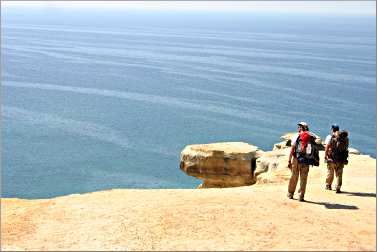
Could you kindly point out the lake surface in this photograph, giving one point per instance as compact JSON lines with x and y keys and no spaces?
{"x":93,"y":101}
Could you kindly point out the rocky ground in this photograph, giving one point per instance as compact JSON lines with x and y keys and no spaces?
{"x":257,"y":217}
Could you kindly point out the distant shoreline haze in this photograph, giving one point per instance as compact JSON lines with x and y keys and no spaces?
{"x":219,"y":20}
{"x":282,"y":7}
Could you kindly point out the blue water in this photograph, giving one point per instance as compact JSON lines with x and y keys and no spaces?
{"x":98,"y":100}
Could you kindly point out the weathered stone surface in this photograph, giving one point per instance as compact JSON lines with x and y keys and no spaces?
{"x":225,"y":164}
{"x":287,"y":141}
{"x":353,"y":151}
{"x":272,"y":166}
{"x":282,"y":145}
{"x":288,"y":136}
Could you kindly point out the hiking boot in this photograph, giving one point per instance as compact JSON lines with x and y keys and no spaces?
{"x":338,"y":191}
{"x":328,"y":187}
{"x":290,"y":196}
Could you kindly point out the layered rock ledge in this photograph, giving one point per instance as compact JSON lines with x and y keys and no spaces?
{"x":226,"y":164}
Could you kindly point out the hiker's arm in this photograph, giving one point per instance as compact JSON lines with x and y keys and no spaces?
{"x":327,"y":151}
{"x":290,"y":155}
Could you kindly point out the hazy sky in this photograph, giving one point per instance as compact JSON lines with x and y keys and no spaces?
{"x":336,"y":7}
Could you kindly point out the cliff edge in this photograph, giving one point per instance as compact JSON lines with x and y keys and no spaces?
{"x":257,"y":217}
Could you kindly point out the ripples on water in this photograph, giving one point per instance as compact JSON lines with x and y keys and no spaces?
{"x":88,"y":108}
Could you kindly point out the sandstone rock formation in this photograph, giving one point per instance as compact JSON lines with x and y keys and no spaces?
{"x":238,"y":164}
{"x":353,"y":151}
{"x":287,"y":142}
{"x":226,"y":164}
{"x":272,"y":166}
{"x":282,"y":145}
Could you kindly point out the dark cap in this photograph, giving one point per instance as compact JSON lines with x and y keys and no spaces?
{"x":335,"y":127}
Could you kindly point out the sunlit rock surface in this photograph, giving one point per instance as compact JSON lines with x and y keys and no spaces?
{"x":225,"y":164}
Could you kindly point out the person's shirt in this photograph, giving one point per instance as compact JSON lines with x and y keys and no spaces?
{"x":328,"y":139}
{"x":295,"y":136}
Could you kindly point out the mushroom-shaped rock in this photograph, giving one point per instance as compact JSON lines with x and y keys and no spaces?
{"x":225,"y":164}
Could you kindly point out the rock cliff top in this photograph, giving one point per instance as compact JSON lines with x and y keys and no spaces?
{"x":228,"y":148}
{"x":257,"y":217}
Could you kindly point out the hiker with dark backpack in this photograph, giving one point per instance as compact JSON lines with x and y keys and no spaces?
{"x":304,"y":152}
{"x":336,"y":156}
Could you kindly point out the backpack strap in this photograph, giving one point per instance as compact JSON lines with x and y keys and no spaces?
{"x":333,"y":141}
{"x":297,"y":145}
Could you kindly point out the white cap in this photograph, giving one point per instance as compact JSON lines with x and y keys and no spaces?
{"x":303,"y":124}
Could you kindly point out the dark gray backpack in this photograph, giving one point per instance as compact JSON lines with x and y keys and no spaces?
{"x":311,"y":154}
{"x":339,"y":147}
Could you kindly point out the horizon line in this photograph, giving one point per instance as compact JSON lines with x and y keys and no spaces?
{"x":315,"y":7}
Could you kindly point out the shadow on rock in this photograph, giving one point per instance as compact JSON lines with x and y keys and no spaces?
{"x":334,"y":206}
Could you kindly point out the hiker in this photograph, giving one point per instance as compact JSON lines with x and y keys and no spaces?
{"x":301,"y":159}
{"x":336,"y":155}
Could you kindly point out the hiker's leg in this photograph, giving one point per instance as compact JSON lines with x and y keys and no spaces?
{"x":294,"y":177}
{"x":339,"y":175}
{"x":304,"y":171}
{"x":330,"y":174}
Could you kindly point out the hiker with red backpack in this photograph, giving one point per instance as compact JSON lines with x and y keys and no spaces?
{"x":304,"y":152}
{"x":336,"y":156}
